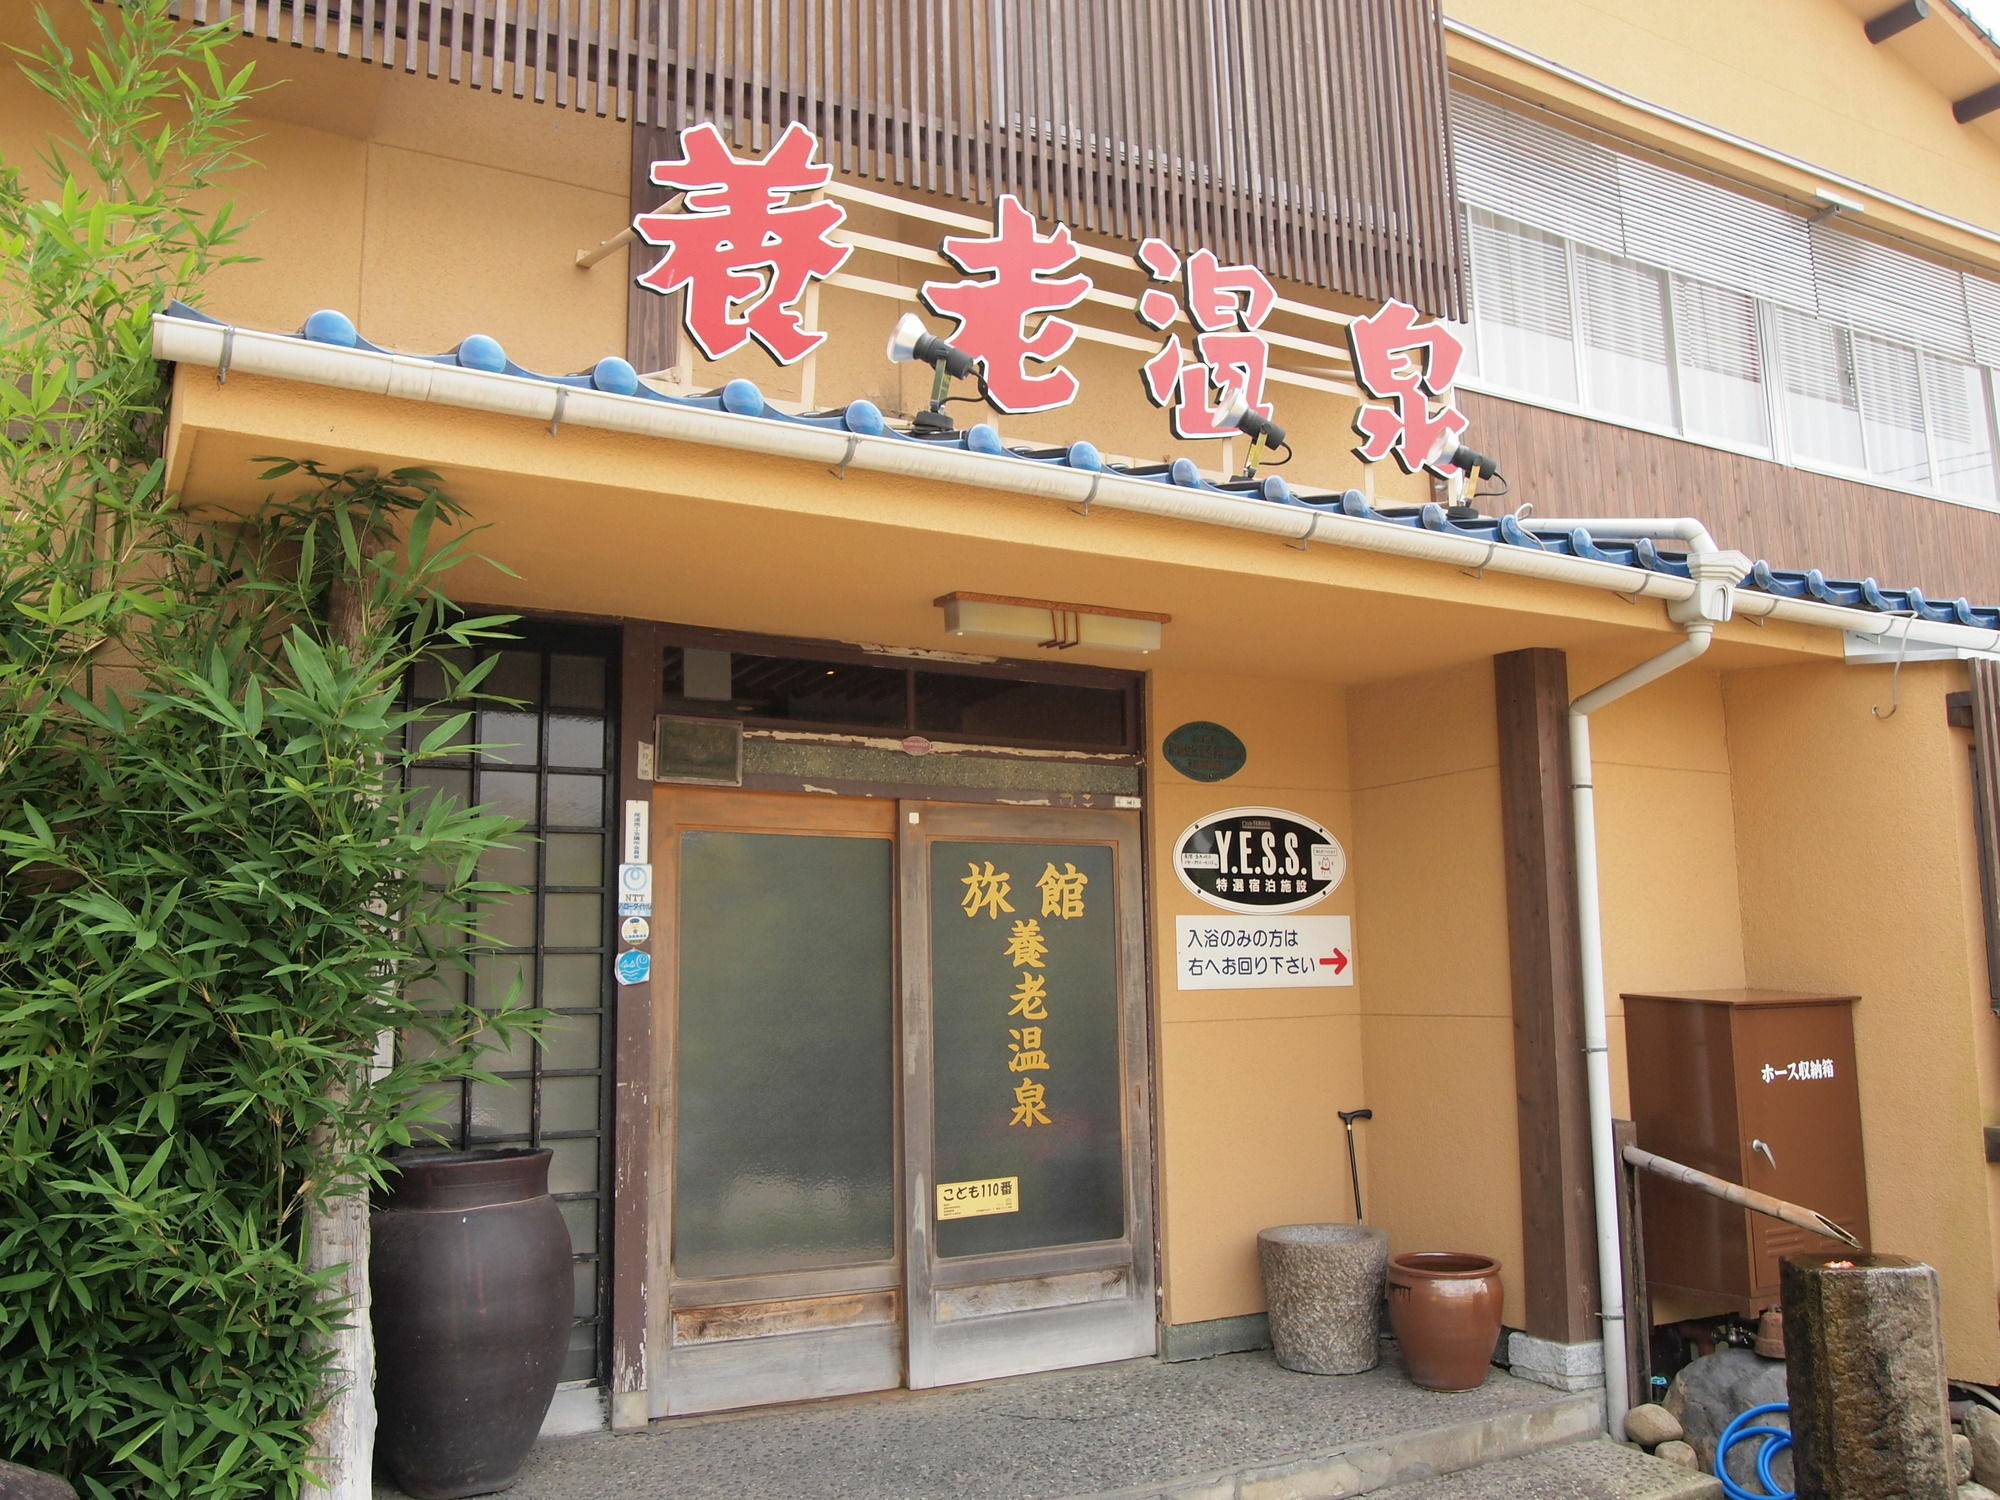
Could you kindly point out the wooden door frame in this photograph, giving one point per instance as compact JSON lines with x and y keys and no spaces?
{"x":677,"y":809}
{"x":917,"y":823}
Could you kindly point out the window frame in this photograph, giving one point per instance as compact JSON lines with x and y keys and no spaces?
{"x":1773,"y":364}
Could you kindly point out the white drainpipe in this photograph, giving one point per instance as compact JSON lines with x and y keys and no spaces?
{"x":1716,"y":574}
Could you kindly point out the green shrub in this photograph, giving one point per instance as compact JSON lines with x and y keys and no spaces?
{"x":215,"y":893}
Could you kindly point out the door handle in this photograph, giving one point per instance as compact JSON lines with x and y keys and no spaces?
{"x":1766,"y":1150}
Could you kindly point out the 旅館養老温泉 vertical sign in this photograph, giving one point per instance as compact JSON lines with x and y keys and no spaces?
{"x":1025,"y":1040}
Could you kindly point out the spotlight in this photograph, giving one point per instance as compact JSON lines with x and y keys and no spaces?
{"x":1474,"y":463}
{"x":910,"y":341}
{"x":1262,"y":431}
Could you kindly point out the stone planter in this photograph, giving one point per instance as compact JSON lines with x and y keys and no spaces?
{"x":1323,"y":1286}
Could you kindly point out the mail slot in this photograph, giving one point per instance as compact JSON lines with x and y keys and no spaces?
{"x":1759,"y":1087}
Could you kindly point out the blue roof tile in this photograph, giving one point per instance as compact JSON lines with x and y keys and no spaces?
{"x":743,"y":398}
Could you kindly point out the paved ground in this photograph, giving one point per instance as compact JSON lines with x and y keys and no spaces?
{"x":1601,"y":1470}
{"x":1038,"y":1437}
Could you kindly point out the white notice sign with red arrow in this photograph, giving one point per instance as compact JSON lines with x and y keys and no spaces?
{"x":1262,"y":953}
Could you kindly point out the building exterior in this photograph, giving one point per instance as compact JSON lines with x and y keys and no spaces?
{"x":923,"y":1044}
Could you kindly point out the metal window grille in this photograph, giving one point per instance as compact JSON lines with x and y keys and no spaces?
{"x":550,"y":760}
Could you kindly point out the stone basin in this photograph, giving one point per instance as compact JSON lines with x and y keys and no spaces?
{"x":1323,"y":1285}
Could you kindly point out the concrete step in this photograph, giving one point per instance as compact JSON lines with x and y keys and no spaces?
{"x":1595,"y":1470}
{"x":1234,"y":1427}
{"x":1372,"y":1465}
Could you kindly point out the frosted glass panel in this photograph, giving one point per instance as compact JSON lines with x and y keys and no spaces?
{"x":573,"y":1167}
{"x":569,"y":1103}
{"x":511,"y":864}
{"x":509,"y":921}
{"x":571,"y":979}
{"x":575,"y":859}
{"x":581,"y":1216}
{"x":500,"y":1108}
{"x":509,"y":792}
{"x":784,"y":1137}
{"x":508,"y":735}
{"x":574,"y":921}
{"x":576,"y":741}
{"x":576,"y":801}
{"x":570,"y":1042}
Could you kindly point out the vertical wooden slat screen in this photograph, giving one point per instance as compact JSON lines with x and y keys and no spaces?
{"x":1986,"y":809}
{"x":1305,"y":136}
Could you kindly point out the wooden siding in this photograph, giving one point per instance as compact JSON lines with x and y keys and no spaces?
{"x":1574,"y":466}
{"x":1301,"y":135}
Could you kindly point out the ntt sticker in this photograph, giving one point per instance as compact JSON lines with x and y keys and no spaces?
{"x":1259,"y":860}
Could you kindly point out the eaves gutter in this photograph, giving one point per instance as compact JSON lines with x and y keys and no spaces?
{"x":200,"y":342}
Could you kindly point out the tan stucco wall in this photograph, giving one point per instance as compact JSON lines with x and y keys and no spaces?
{"x":1799,"y":76}
{"x":1666,"y":841}
{"x":1249,"y":1080}
{"x":1437,"y":1012}
{"x":1856,"y":874}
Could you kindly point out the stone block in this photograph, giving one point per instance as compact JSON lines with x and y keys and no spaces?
{"x":1972,"y":1491}
{"x":1562,"y":1367}
{"x":1708,"y":1394}
{"x":1651,"y":1425}
{"x":20,"y":1483}
{"x":1677,"y":1452}
{"x":1866,"y":1377}
{"x":1982,"y":1426}
{"x":1961,"y":1457}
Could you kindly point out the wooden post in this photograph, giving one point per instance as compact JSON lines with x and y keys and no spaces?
{"x":1531,"y":692}
{"x":1632,"y":1235}
{"x":632,"y":1202}
{"x":336,"y":1234}
{"x":344,"y":1434}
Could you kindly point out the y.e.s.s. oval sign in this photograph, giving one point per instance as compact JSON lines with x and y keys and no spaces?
{"x":1259,"y":859}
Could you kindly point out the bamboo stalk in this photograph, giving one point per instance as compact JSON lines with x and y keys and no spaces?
{"x":1743,"y":1197}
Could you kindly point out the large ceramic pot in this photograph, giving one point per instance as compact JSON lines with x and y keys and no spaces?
{"x":472,"y":1287}
{"x":1323,"y":1286}
{"x":1444,"y":1307}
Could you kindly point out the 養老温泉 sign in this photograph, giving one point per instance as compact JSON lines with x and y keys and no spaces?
{"x":742,"y":255}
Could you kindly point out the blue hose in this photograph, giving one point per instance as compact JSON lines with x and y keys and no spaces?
{"x":1776,"y":1441}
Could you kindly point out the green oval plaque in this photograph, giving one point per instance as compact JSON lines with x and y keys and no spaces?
{"x":1202,"y":751}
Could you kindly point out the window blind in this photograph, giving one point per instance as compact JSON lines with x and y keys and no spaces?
{"x":1535,"y":173}
{"x":1704,"y":230}
{"x":1870,"y":285}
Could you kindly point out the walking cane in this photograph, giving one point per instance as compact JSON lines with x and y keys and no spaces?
{"x":1347,"y":1118}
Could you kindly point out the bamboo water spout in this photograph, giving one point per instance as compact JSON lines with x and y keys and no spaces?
{"x":1743,"y":1197}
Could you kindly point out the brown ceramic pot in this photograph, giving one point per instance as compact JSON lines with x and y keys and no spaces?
{"x":473,"y":1283}
{"x":1444,"y":1306}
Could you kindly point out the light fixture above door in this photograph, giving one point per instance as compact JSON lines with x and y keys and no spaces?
{"x":1051,"y":624}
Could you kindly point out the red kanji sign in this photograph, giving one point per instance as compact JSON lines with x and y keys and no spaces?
{"x":1227,"y":305}
{"x":742,"y":255}
{"x":1406,"y":363}
{"x":993,"y":313}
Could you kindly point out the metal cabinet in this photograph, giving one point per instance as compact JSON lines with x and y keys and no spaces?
{"x":1757,"y":1086}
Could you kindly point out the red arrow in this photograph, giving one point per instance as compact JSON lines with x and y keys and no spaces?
{"x":1339,"y":961}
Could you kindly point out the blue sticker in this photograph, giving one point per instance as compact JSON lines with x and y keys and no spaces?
{"x":633,"y":967}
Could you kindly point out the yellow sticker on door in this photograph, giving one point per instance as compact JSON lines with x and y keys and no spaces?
{"x":967,"y":1200}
